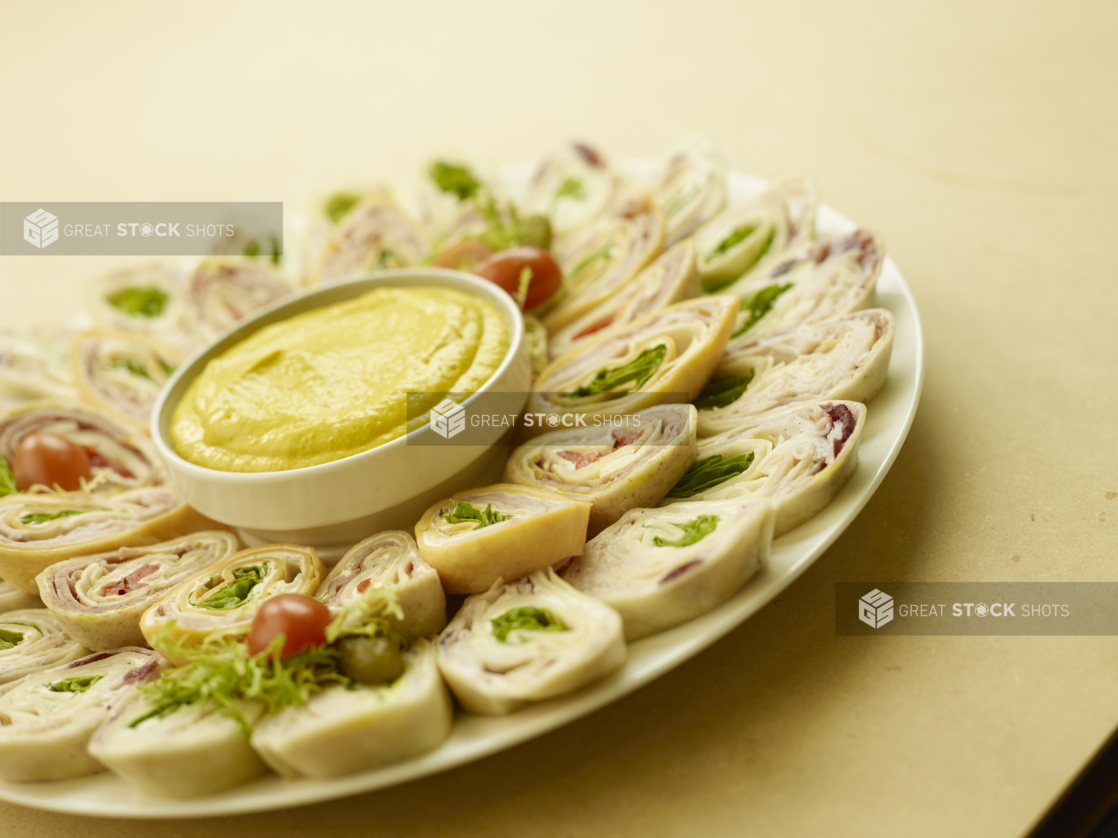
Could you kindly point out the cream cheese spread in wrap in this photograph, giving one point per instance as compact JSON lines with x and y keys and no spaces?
{"x":224,"y":290}
{"x":120,"y":456}
{"x":662,"y":567}
{"x":36,"y":364}
{"x":390,"y":561}
{"x":846,"y":358}
{"x":32,"y":639}
{"x":49,"y":717}
{"x":753,"y":236}
{"x":670,"y":279}
{"x":528,"y":640}
{"x":666,"y":356}
{"x":499,"y":532}
{"x":100,"y":599}
{"x":573,"y":186}
{"x":799,"y":459}
{"x":12,"y":598}
{"x":38,"y":530}
{"x":375,"y":234}
{"x":828,"y":278}
{"x":613,"y":467}
{"x":691,"y":186}
{"x":344,"y":729}
{"x":602,"y":261}
{"x":149,"y":300}
{"x":191,"y":751}
{"x":122,"y":373}
{"x":226,"y":596}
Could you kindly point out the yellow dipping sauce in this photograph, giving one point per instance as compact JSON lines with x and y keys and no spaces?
{"x":333,"y":382}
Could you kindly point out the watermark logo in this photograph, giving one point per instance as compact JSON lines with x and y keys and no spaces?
{"x":875,"y":609}
{"x":448,"y":419}
{"x":40,"y":228}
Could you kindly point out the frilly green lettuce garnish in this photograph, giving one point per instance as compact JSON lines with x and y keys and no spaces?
{"x":140,"y":302}
{"x":463,"y":512}
{"x":455,"y":179}
{"x":79,"y":684}
{"x":366,"y":616}
{"x":7,"y":479}
{"x":35,"y":519}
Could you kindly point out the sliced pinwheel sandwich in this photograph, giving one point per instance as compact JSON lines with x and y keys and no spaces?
{"x":528,"y":640}
{"x":13,"y":599}
{"x":99,"y":599}
{"x":32,"y":639}
{"x":846,"y":358}
{"x":666,"y":356}
{"x":573,"y":186}
{"x":149,"y":300}
{"x":390,"y":561}
{"x":50,"y":716}
{"x":122,"y":373}
{"x":662,"y":567}
{"x":614,"y":468}
{"x":375,"y":234}
{"x":691,"y":186}
{"x":499,"y":532}
{"x":224,"y":290}
{"x":36,"y":365}
{"x":799,"y":459}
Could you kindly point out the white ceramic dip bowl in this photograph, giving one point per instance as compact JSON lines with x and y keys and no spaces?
{"x":333,"y":505}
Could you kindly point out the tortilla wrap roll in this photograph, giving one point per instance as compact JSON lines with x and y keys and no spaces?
{"x":499,"y":532}
{"x":662,"y":567}
{"x":670,"y":279}
{"x":528,"y":640}
{"x":99,"y":599}
{"x":691,"y":186}
{"x":799,"y":459}
{"x":605,"y":259}
{"x":36,"y":365}
{"x":842,"y":359}
{"x":39,"y":530}
{"x":148,"y":300}
{"x":192,"y":751}
{"x":120,"y":456}
{"x":374,"y":235}
{"x":122,"y":374}
{"x":13,"y":599}
{"x":612,"y":467}
{"x":573,"y":185}
{"x":343,"y":730}
{"x":826,"y":279}
{"x":666,"y":356}
{"x":752,"y":237}
{"x":32,"y":639}
{"x":390,"y":561}
{"x":51,"y":715}
{"x":226,"y":596}
{"x":225,"y":290}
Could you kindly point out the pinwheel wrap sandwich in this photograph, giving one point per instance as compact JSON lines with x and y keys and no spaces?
{"x":528,"y":640}
{"x":38,"y":530}
{"x":36,"y":365}
{"x":12,"y":598}
{"x":666,"y":356}
{"x":100,"y":599}
{"x":120,"y":456}
{"x":122,"y":373}
{"x":846,"y":358}
{"x":225,"y":597}
{"x":691,"y":186}
{"x":613,"y":467}
{"x":149,"y":300}
{"x":344,"y":729}
{"x":50,"y":716}
{"x":670,"y":279}
{"x":390,"y":561}
{"x":799,"y":459}
{"x":662,"y":567}
{"x":375,"y":234}
{"x":499,"y":532}
{"x":222,"y":291}
{"x":573,"y":186}
{"x":752,"y":237}
{"x":32,"y":639}
{"x":191,"y":751}
{"x":826,"y":279}
{"x":605,"y":259}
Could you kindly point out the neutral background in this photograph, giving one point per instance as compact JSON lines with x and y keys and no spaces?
{"x":977,"y":138}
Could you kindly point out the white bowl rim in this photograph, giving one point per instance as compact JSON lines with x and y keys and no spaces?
{"x":248,"y":326}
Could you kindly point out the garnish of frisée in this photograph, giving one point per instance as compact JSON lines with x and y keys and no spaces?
{"x":463,"y":512}
{"x":357,"y":647}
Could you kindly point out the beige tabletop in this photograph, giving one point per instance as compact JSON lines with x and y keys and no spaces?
{"x":979,"y":139}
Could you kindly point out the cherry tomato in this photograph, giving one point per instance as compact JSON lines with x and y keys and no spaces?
{"x":464,"y":255}
{"x":301,"y":619}
{"x":51,"y":460}
{"x":504,"y":269}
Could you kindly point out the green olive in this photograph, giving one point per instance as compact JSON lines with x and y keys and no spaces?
{"x":535,"y":231}
{"x":371,"y":660}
